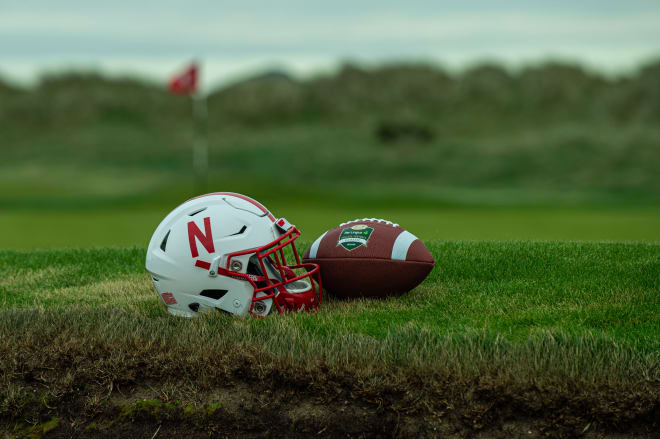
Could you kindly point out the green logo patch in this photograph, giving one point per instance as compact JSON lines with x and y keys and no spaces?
{"x":355,"y":236}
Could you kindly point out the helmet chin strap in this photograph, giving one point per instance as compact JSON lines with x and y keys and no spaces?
{"x":296,"y":301}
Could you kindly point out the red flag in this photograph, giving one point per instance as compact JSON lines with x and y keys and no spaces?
{"x":184,"y":83}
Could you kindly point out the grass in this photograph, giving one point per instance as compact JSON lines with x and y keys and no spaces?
{"x":563,"y":158}
{"x":567,"y":329}
{"x":102,"y":184}
{"x":85,"y":187}
{"x":512,"y":300}
{"x":103,"y":207}
{"x":550,"y":337}
{"x":133,"y":225}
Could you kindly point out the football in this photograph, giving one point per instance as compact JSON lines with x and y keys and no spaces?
{"x":370,"y":258}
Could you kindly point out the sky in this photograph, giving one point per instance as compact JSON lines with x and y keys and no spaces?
{"x":153,"y":39}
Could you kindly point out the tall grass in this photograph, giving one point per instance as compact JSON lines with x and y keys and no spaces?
{"x":290,"y":342}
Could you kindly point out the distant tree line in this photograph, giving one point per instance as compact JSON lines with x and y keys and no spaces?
{"x":485,"y":97}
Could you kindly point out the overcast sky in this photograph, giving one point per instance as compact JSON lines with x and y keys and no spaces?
{"x":154,"y":38}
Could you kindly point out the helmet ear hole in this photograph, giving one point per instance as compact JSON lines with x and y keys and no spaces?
{"x":253,"y":266}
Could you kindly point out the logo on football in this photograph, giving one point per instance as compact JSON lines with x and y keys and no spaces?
{"x":352,"y":237}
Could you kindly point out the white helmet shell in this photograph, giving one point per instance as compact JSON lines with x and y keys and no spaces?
{"x":205,"y":255}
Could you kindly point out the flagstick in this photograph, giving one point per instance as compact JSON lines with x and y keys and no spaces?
{"x":201,"y":144}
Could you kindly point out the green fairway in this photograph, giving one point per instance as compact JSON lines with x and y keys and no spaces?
{"x":133,"y":225}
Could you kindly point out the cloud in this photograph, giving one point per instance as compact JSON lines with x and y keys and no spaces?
{"x":311,"y":33}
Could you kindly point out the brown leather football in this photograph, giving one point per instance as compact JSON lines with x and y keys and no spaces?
{"x":370,"y":258}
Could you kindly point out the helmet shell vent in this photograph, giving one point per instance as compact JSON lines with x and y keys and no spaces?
{"x":163,"y":245}
{"x":213,"y":294}
{"x":240,"y":232}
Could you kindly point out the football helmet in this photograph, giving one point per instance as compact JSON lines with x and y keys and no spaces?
{"x":227,"y":251}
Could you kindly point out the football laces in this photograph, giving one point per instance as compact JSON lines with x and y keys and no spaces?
{"x":377,"y":220}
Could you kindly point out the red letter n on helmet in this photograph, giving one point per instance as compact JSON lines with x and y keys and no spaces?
{"x":206,"y":238}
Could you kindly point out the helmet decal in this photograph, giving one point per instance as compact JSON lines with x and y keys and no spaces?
{"x":168,"y":298}
{"x":206,"y":238}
